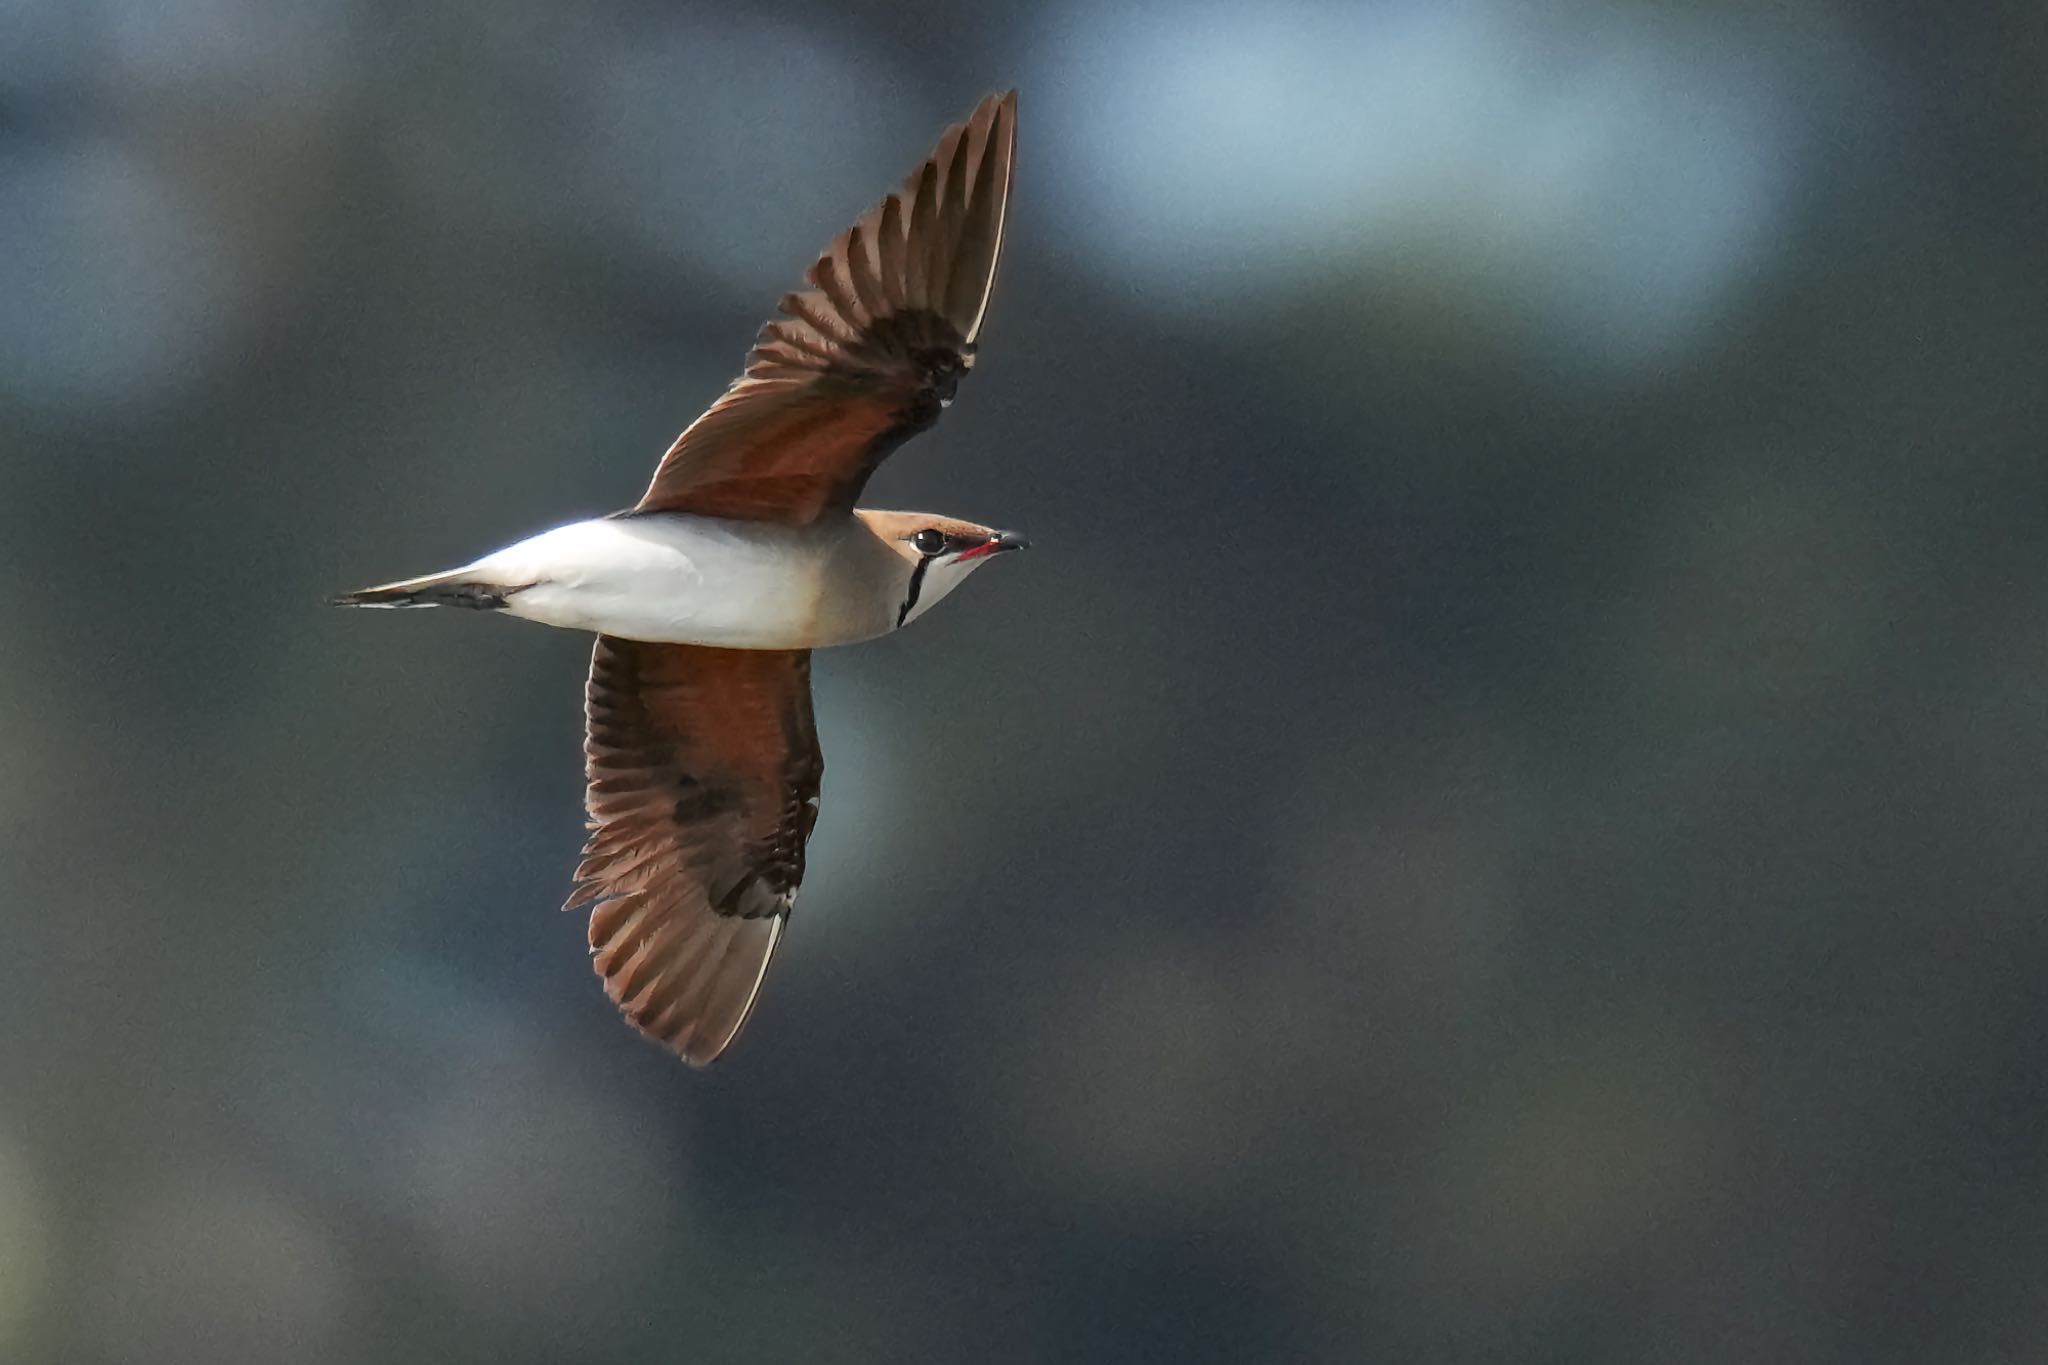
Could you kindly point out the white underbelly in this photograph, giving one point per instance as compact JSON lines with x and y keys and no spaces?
{"x":687,"y":580}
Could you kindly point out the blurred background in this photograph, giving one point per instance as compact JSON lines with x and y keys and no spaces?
{"x":1501,"y":821}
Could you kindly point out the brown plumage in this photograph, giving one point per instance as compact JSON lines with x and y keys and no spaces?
{"x":703,"y":770}
{"x":867,"y":357}
{"x":703,"y":764}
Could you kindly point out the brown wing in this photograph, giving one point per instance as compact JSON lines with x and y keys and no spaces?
{"x":868,"y":356}
{"x":703,"y":767}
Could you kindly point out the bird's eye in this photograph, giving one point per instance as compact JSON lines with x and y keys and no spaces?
{"x":929,"y":542}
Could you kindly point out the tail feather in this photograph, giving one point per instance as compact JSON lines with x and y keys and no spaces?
{"x":452,"y":589}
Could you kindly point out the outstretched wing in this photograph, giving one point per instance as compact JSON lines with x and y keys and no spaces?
{"x":867,"y":356}
{"x":703,"y":770}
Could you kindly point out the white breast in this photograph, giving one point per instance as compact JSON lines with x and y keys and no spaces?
{"x":692,"y":580}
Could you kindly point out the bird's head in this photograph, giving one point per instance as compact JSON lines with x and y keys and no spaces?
{"x":938,"y":553}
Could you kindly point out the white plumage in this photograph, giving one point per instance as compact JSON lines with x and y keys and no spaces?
{"x":684,"y":579}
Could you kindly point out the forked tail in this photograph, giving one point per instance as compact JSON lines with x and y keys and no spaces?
{"x":452,"y":589}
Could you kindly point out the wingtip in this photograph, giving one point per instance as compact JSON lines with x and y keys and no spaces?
{"x":1001,"y":103}
{"x":989,"y":106}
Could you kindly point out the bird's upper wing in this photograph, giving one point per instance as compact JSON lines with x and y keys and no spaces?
{"x":703,"y":767}
{"x":865,"y":358}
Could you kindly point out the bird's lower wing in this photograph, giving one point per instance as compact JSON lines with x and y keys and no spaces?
{"x":703,"y":771}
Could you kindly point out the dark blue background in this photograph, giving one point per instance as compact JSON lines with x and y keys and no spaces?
{"x":1502,"y":819}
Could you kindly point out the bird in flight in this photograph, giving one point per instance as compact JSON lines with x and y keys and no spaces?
{"x":745,"y":553}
